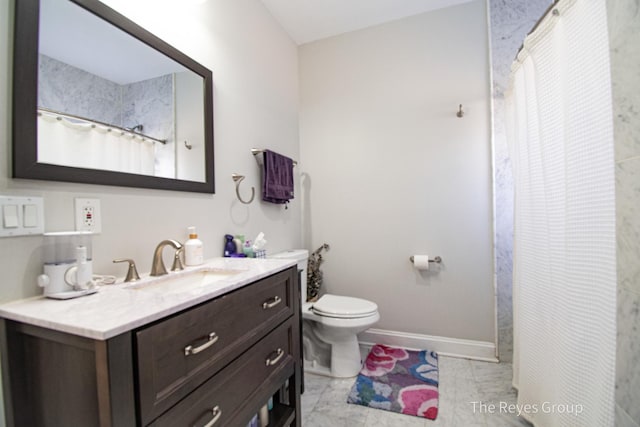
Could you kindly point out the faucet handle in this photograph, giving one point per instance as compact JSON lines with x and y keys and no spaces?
{"x":132,"y":272}
{"x":177,"y":263}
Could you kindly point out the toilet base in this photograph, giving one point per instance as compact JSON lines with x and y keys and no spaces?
{"x":313,"y":367}
{"x":346,"y":360}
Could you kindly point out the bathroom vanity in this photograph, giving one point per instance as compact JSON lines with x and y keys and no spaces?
{"x":204,"y":347}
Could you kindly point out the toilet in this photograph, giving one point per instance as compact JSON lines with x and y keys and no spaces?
{"x":331,"y":326}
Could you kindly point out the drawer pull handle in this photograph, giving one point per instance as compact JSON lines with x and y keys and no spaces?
{"x":217,"y":413}
{"x":272,"y":303}
{"x":272,"y":361}
{"x":211,"y":340}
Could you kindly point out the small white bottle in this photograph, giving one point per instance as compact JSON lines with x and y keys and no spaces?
{"x":193,"y":249}
{"x":263,"y":416}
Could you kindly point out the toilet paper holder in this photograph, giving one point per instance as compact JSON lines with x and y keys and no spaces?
{"x":437,"y":259}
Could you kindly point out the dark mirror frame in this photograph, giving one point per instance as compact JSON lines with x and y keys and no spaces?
{"x":25,"y":93}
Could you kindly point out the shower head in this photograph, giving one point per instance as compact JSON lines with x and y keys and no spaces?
{"x":136,"y":128}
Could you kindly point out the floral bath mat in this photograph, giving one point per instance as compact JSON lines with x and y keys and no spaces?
{"x":398,"y":380}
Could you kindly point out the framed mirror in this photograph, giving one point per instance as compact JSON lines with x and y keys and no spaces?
{"x":97,"y":99}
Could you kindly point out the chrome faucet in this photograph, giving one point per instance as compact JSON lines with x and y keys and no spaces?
{"x":157,"y":266}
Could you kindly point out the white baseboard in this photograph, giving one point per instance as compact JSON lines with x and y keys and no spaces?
{"x":468,"y":349}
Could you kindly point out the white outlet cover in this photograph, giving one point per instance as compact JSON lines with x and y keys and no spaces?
{"x":88,"y":215}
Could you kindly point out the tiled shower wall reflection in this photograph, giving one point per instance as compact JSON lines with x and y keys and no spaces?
{"x":65,"y":88}
{"x":509,"y":23}
{"x":62,"y":87}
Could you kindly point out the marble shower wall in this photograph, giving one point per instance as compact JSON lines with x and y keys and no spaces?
{"x":509,"y":23}
{"x":624,"y":39}
{"x":151,"y":103}
{"x":62,"y":87}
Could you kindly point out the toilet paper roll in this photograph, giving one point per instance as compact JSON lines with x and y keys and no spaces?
{"x":421,"y":262}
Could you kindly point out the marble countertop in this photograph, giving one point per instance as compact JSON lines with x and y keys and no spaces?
{"x":122,"y":307}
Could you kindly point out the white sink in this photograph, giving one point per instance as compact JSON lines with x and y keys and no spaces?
{"x":194,"y":281}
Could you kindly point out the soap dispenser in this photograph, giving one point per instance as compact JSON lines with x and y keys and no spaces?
{"x":193,"y":249}
{"x":229,"y":245}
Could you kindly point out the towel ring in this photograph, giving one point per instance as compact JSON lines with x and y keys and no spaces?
{"x":238,"y":179}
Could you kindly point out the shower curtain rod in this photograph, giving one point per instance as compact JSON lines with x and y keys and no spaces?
{"x":96,"y":122}
{"x":550,"y":9}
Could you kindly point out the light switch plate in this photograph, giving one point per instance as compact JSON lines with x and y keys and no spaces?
{"x":88,"y":216}
{"x":14,"y":222}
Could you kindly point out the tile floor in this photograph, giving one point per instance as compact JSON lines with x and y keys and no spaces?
{"x":462,"y":382}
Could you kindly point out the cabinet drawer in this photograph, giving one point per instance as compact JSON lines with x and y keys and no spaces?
{"x":231,"y":396}
{"x":178,"y":354}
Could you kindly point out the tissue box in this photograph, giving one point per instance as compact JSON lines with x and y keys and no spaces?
{"x":260,"y":253}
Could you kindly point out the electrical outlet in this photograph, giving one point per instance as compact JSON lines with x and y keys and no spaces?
{"x":88,"y":217}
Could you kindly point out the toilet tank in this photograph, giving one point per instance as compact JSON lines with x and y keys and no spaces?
{"x":301,"y":256}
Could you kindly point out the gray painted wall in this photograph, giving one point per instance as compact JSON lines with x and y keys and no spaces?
{"x":247,"y":114}
{"x":390,"y":171}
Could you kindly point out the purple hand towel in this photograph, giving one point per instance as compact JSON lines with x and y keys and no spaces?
{"x":277,"y":181}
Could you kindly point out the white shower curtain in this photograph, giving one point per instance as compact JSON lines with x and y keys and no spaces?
{"x":560,"y":132}
{"x":75,"y":143}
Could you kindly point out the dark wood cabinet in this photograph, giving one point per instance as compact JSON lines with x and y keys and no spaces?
{"x":220,"y":360}
{"x":225,"y":395}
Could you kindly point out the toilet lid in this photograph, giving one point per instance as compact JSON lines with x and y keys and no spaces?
{"x":344,"y":307}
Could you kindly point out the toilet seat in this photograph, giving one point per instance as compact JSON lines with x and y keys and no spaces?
{"x":343,"y":307}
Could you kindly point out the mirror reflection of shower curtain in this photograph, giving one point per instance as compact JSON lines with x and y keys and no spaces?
{"x":560,"y":131}
{"x":72,"y":143}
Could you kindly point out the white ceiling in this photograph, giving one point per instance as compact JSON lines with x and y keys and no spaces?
{"x":72,"y":35}
{"x":309,"y":20}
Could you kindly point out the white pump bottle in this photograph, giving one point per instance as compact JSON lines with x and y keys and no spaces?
{"x":193,"y":249}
